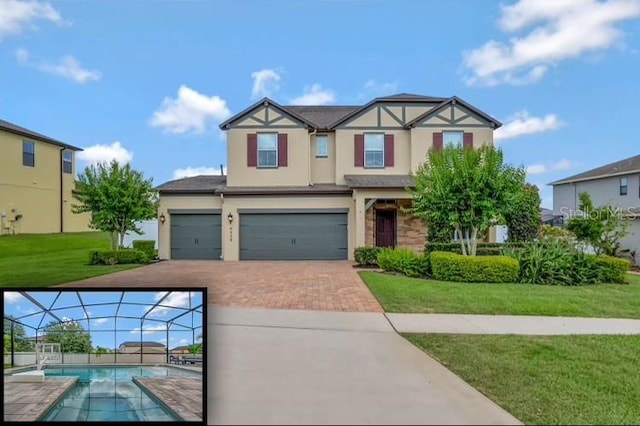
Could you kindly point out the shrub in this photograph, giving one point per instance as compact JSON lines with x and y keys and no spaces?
{"x":404,"y":261}
{"x":483,"y":249}
{"x":612,"y":269}
{"x":366,"y":256}
{"x":117,"y":257}
{"x":146,"y":246}
{"x":480,"y":269}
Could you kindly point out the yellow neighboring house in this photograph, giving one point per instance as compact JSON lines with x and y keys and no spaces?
{"x":37,"y":177}
{"x":315,"y":182}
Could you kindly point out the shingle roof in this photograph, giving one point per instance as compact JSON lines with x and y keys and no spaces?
{"x":195,"y":184}
{"x":258,"y":190}
{"x":18,"y":130}
{"x":378,"y":181}
{"x":622,"y":167}
{"x":323,"y":116}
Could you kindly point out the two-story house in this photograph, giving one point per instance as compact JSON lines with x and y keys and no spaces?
{"x":616,"y":184}
{"x":315,"y":182}
{"x":37,"y":177}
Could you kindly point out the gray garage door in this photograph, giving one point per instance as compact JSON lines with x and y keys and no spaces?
{"x":293,"y":236}
{"x":196,"y":236}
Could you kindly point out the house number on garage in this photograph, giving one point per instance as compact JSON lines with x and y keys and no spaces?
{"x":230,"y":233}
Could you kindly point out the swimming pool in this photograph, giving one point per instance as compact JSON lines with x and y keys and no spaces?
{"x":109,"y":394}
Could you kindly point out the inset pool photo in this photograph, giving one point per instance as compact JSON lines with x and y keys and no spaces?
{"x":80,"y":355}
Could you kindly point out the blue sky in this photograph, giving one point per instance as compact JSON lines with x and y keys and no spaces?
{"x":149,"y":81}
{"x":101,"y":307}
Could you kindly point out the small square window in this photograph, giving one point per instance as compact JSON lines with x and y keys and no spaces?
{"x":322,"y":146}
{"x":374,"y":150}
{"x":452,"y":138}
{"x":67,"y":162}
{"x":267,"y":150}
{"x":28,"y":154}
{"x":624,"y":186}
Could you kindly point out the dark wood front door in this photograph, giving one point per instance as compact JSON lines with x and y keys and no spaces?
{"x":386,"y":228}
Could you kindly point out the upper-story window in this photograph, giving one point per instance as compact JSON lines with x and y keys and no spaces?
{"x":267,"y":150}
{"x":67,"y":162}
{"x":28,"y":154}
{"x":322,"y":146}
{"x":624,"y":186}
{"x":452,"y":138}
{"x":374,"y":150}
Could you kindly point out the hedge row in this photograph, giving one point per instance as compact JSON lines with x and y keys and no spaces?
{"x":482,"y":249}
{"x":404,"y":261}
{"x":117,"y":257}
{"x":476,"y":269}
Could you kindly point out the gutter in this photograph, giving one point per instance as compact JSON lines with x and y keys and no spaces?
{"x":61,"y":191}
{"x":314,"y":132}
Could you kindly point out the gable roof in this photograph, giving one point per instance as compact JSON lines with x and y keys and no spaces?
{"x":21,"y":131}
{"x":452,"y":101}
{"x":266,"y":102}
{"x":202,"y":184}
{"x":618,"y":168}
{"x":137,"y":344}
{"x":325,"y":115}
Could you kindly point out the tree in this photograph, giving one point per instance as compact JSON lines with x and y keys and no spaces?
{"x":20,"y":341}
{"x":469,"y":190}
{"x":101,"y":350}
{"x":600,"y":227}
{"x":117,"y":198}
{"x":523,"y":219}
{"x":73,"y":338}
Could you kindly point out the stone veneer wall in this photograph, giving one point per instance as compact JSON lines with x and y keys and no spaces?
{"x":411,"y":231}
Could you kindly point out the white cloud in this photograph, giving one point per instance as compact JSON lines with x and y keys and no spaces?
{"x":538,"y":169}
{"x":12,"y":297}
{"x":521,"y":124}
{"x":69,"y":68}
{"x":150,"y":329}
{"x":265,"y":82}
{"x":315,"y":95}
{"x":190,"y":111}
{"x":557,"y":31}
{"x":98,"y":153}
{"x":101,"y":321}
{"x":373,"y":89}
{"x":197,"y":171}
{"x":177,"y":299}
{"x":16,"y":15}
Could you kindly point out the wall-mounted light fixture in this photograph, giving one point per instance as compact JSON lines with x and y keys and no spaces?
{"x":162,"y":218}
{"x":230,"y":218}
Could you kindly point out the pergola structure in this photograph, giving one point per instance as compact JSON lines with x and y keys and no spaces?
{"x":168,"y":311}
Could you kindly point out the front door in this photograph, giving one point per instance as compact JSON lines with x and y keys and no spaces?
{"x":385,"y":228}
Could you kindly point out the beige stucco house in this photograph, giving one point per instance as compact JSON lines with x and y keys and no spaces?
{"x":314,"y":182}
{"x":37,"y":177}
{"x":145,"y":347}
{"x":616,"y":184}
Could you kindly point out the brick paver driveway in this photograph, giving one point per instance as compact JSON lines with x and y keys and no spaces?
{"x":317,"y":285}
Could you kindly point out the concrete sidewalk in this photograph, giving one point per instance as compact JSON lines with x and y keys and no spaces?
{"x":269,"y":366}
{"x":510,"y":324}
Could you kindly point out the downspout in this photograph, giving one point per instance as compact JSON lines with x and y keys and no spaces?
{"x":313,"y":133}
{"x":61,"y":192}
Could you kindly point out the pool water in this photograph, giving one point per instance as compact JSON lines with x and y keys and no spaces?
{"x":109,"y":394}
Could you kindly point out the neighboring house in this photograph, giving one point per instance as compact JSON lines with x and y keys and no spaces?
{"x":549,"y":218}
{"x":180,"y":350}
{"x":616,"y":184}
{"x":145,"y":347}
{"x":37,"y":177}
{"x":315,"y":182}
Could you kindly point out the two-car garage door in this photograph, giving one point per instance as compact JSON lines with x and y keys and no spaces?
{"x":300,"y":235}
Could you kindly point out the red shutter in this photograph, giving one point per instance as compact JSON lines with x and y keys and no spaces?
{"x":282,"y":150}
{"x":388,"y":150}
{"x":467,"y":140}
{"x":252,"y":150}
{"x":359,"y":150}
{"x":438,"y":142}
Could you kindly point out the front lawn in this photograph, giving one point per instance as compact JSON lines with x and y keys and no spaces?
{"x":40,"y":260}
{"x":548,"y":380}
{"x":411,"y":295}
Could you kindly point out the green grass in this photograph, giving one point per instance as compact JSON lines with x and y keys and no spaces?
{"x":40,"y":260}
{"x":548,"y":380}
{"x":410,"y":295}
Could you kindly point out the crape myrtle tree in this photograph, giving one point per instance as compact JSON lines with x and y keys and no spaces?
{"x":71,"y":335}
{"x":117,"y":197}
{"x":469,"y":190}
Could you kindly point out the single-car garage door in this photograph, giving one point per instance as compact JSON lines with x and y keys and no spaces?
{"x":293,"y":236}
{"x":196,"y":236}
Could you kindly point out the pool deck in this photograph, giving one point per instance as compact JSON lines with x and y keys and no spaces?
{"x":183,"y":395}
{"x":27,"y":402}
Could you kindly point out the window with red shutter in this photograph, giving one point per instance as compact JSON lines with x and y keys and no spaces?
{"x":282,"y":149}
{"x":438,"y":141}
{"x":358,"y":155}
{"x":467,"y":140}
{"x":388,"y":150}
{"x":252,"y":150}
